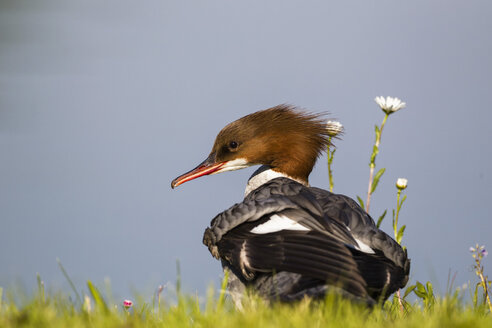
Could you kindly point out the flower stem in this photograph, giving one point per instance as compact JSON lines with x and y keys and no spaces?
{"x":395,"y":223}
{"x":400,"y":301}
{"x":484,"y":282}
{"x":330,"y":153}
{"x":372,"y":165}
{"x":368,"y":201}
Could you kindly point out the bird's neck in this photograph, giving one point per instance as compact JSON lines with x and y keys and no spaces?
{"x":263,"y":175}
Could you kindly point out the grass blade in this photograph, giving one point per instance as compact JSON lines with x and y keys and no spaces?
{"x":96,"y":295}
{"x":70,"y":282}
{"x":40,"y":288}
{"x":178,"y":279}
{"x":380,"y":220}
{"x":361,"y":202}
{"x":223,"y":287}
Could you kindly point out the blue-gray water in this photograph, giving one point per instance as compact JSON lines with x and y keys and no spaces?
{"x":102,"y":104}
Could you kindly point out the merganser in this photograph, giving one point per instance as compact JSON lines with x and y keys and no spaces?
{"x":287,"y":240}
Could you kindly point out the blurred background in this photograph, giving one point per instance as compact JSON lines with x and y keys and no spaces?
{"x":103,"y":103}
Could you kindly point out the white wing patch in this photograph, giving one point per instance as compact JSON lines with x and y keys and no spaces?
{"x":281,"y":222}
{"x":364,"y":247}
{"x":277,"y":223}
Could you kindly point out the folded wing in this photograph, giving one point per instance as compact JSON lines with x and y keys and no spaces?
{"x":320,"y":238}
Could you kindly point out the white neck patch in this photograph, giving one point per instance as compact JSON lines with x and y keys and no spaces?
{"x":263,"y":175}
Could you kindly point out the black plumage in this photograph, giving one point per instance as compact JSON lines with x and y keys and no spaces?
{"x":325,"y":255}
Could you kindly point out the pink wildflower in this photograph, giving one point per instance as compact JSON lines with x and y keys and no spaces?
{"x":127,"y":304}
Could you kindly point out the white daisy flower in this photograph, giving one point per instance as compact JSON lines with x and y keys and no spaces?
{"x":390,"y":104}
{"x":334,"y":128}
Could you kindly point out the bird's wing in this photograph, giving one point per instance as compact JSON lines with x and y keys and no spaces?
{"x":308,"y":253}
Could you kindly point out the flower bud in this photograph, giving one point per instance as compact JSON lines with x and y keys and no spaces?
{"x":401,"y":183}
{"x":87,"y":304}
{"x":334,"y":128}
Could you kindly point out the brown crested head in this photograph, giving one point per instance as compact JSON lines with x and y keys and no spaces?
{"x":283,"y":137}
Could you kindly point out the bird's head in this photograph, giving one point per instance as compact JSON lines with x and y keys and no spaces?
{"x":286,"y":139}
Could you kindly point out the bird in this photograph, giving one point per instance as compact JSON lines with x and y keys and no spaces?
{"x":287,"y":240}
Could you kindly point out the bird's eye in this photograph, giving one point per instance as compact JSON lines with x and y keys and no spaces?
{"x":233,"y":145}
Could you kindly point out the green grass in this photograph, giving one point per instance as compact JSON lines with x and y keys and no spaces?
{"x":61,"y":310}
